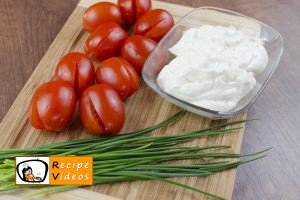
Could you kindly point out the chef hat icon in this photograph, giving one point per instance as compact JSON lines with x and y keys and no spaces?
{"x":25,"y":165}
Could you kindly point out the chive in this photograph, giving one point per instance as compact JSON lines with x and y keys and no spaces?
{"x":137,"y":156}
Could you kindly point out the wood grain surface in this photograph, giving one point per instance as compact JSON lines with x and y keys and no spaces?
{"x":29,"y":26}
{"x":77,"y":194}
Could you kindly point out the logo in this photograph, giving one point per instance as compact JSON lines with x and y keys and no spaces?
{"x":55,"y":170}
{"x":32,"y":170}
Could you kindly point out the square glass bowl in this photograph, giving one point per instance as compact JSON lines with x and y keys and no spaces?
{"x":160,"y":56}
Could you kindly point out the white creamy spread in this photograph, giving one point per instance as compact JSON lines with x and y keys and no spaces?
{"x":214,"y":67}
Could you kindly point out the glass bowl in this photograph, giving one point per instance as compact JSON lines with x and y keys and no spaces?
{"x":160,"y":56}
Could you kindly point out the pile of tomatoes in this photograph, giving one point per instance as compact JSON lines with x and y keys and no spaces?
{"x":121,"y":37}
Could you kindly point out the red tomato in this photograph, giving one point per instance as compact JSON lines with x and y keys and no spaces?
{"x":159,"y":60}
{"x":119,"y":74}
{"x":133,"y":9}
{"x":52,"y":106}
{"x":136,"y":50}
{"x":154,"y":24}
{"x":101,"y":13}
{"x":101,"y":110}
{"x":105,"y":41}
{"x":77,"y":69}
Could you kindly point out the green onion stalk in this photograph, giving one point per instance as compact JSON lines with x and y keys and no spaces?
{"x":137,"y":156}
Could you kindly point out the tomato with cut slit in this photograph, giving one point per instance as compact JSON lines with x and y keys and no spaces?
{"x":105,"y":41}
{"x":119,"y":74}
{"x":136,"y":50}
{"x":133,"y":9}
{"x":101,"y":13}
{"x":101,"y":110}
{"x":52,"y":106}
{"x":154,"y":24}
{"x":77,"y":69}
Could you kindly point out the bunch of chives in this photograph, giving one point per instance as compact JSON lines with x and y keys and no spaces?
{"x":136,"y":156}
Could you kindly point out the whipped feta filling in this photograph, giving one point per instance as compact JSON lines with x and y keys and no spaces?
{"x":214,"y":67}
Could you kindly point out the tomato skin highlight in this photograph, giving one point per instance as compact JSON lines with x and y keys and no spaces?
{"x":101,"y":110}
{"x":52,"y":106}
{"x":142,"y":6}
{"x":154,"y":24}
{"x":101,"y":13}
{"x":77,"y":69}
{"x":119,"y":74}
{"x":105,"y":41}
{"x":136,"y":50}
{"x":127,"y":10}
{"x":132,"y":10}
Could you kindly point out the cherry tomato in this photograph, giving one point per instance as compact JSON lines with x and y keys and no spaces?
{"x":119,"y":74}
{"x":77,"y":69}
{"x":133,"y":9}
{"x":52,"y":106}
{"x":101,"y":110}
{"x":101,"y":13}
{"x":105,"y":41}
{"x":154,"y":24}
{"x":136,"y":50}
{"x":159,"y":60}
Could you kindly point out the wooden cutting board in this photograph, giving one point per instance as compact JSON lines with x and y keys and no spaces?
{"x":143,"y":109}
